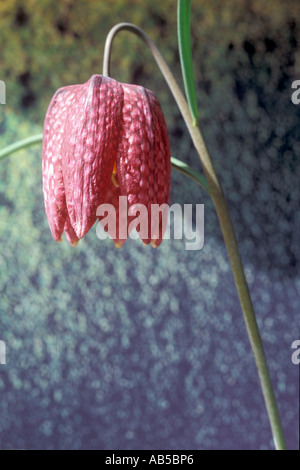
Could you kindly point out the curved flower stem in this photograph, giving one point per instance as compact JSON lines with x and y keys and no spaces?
{"x":175,"y":90}
{"x":220,"y":203}
{"x":21,"y":144}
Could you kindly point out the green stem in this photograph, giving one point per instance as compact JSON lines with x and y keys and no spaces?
{"x":220,"y":203}
{"x":21,"y":144}
{"x":225,"y":223}
{"x":250,"y":319}
{"x":241,"y":285}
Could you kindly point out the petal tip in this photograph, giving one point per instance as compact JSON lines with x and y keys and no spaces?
{"x":118,"y":245}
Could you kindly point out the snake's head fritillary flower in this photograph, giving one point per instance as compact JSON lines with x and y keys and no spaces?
{"x":102,"y":140}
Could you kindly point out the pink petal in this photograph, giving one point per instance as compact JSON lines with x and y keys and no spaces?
{"x":143,"y":164}
{"x":90,"y":145}
{"x":70,"y":233}
{"x":53,"y":185}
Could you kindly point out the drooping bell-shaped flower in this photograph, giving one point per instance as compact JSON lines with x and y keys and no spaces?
{"x":102,"y":140}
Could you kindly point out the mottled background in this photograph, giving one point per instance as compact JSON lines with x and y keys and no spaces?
{"x":141,"y":348}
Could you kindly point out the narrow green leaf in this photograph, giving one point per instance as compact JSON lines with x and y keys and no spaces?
{"x":190,"y":172}
{"x":21,"y":144}
{"x":185,"y":53}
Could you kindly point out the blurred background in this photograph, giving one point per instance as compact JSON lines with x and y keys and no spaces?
{"x":140,"y":348}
